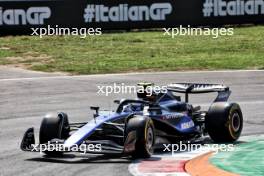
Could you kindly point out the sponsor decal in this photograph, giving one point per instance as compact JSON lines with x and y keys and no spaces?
{"x":187,"y":125}
{"x":232,"y":8}
{"x":124,"y":12}
{"x":32,"y":16}
{"x":171,"y":116}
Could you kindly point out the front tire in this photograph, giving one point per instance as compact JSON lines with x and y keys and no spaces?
{"x":54,"y":126}
{"x":224,"y":122}
{"x":145,"y":136}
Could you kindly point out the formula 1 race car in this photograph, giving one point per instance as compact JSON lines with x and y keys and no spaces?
{"x":139,"y":125}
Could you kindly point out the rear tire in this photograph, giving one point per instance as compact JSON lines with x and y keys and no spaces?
{"x":145,"y":136}
{"x":54,"y":126}
{"x":224,"y":122}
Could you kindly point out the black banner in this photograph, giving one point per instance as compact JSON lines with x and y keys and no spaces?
{"x":19,"y":16}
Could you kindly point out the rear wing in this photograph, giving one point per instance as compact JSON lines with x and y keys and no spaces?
{"x":197,"y":88}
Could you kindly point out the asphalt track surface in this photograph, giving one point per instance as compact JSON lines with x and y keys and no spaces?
{"x":25,"y":97}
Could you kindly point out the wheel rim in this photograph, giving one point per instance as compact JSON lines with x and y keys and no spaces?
{"x":149,"y":138}
{"x":236,"y":122}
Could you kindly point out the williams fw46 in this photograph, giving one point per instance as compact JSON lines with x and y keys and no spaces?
{"x":138,"y":126}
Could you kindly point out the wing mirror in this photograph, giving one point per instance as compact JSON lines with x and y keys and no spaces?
{"x":96,"y":108}
{"x":117,"y":101}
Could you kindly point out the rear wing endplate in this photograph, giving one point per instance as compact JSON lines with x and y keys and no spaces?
{"x":197,"y":88}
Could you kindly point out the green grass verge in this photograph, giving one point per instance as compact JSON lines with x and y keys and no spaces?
{"x":135,"y":51}
{"x":245,"y":160}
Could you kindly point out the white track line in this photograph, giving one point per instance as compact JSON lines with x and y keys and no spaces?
{"x":133,"y":167}
{"x":252,"y":102}
{"x":127,"y":74}
{"x":184,"y":156}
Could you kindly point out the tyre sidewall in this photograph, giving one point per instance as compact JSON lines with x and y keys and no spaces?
{"x":53,"y":126}
{"x":140,"y":125}
{"x":218,"y":122}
